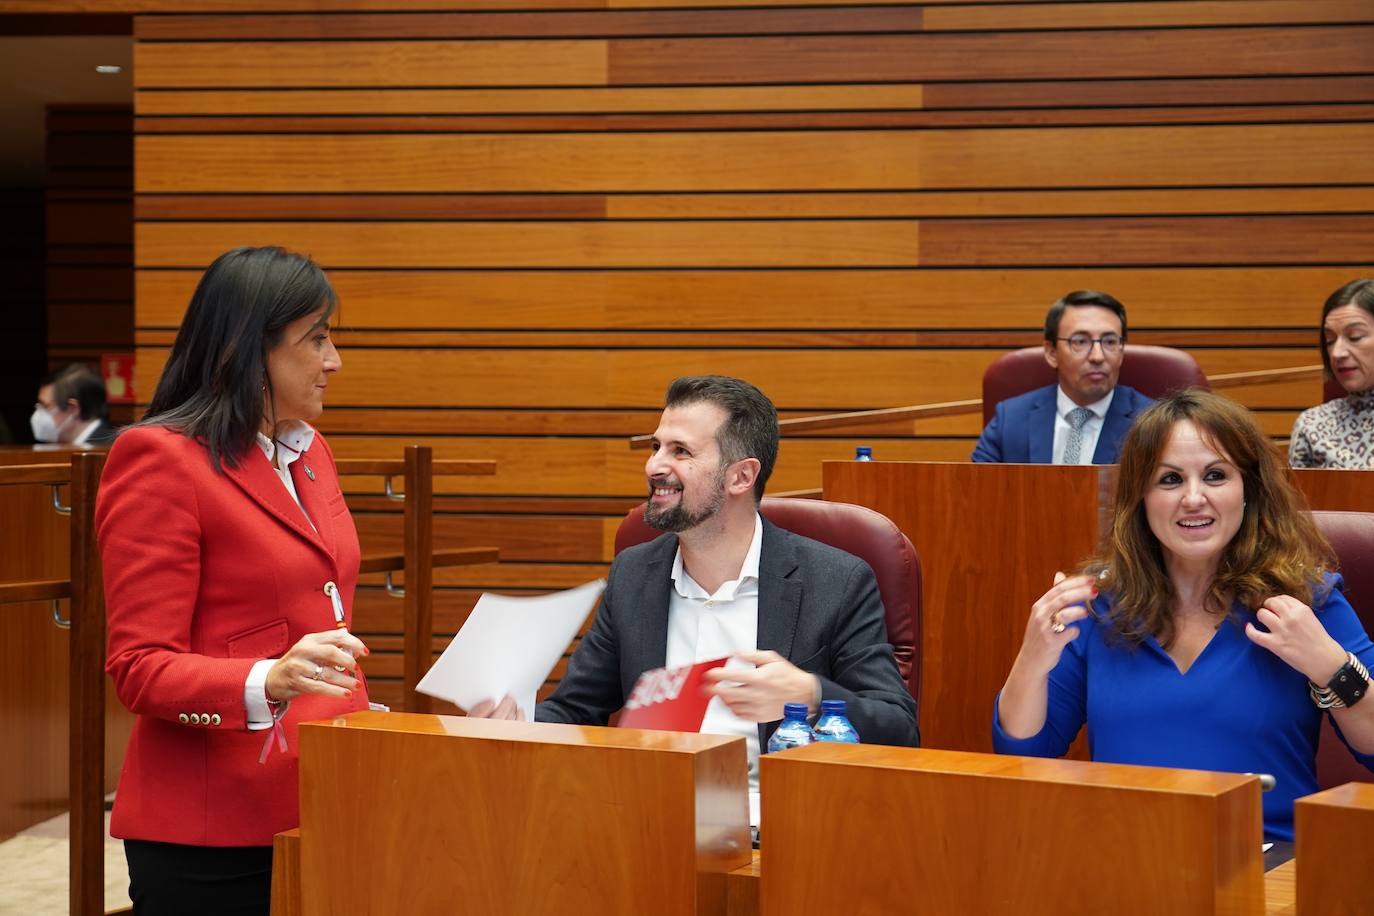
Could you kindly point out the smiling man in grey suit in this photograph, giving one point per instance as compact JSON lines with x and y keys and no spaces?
{"x":802,"y":621}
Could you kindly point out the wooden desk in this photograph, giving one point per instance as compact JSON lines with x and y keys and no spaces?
{"x":420,"y":814}
{"x":891,"y":830}
{"x":990,"y":538}
{"x":1280,"y":890}
{"x":1335,"y":858}
{"x":1348,"y":491}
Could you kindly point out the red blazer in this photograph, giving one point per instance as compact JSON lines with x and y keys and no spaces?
{"x":205,"y":574}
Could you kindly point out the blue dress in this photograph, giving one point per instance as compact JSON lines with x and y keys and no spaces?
{"x":1239,"y":708}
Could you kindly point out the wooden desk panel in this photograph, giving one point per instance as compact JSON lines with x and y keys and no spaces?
{"x":34,"y":658}
{"x":517,"y":818}
{"x":1335,"y":859}
{"x":1347,"y":491}
{"x":990,"y":537}
{"x":873,"y":829}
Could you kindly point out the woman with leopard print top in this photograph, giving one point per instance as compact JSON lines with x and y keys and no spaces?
{"x":1340,"y":433}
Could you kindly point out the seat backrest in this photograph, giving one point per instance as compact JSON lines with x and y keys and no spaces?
{"x":1352,"y":536}
{"x":1153,"y":371}
{"x":868,"y":535}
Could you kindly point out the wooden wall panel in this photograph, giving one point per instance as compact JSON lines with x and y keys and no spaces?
{"x":89,"y":158}
{"x":1209,"y":297}
{"x":536,"y":218}
{"x":1290,"y":154}
{"x":797,"y":380}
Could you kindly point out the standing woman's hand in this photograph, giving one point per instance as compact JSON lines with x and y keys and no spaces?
{"x":1297,"y":637}
{"x":322,"y":663}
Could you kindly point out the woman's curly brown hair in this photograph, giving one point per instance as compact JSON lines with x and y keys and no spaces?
{"x":1277,"y":551}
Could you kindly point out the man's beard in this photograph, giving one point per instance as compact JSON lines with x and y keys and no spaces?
{"x":678,"y":518}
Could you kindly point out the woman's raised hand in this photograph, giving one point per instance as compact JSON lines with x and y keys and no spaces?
{"x":1298,"y":637}
{"x":1048,"y":630}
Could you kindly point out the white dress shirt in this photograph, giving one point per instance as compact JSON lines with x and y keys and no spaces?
{"x":292,"y":438}
{"x":703,"y":626}
{"x":1064,"y":405}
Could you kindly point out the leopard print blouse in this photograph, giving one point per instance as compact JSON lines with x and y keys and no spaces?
{"x":1337,"y":434}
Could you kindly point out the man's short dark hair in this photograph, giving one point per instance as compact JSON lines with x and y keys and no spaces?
{"x":750,"y":430}
{"x":1082,"y":297}
{"x":78,"y":382}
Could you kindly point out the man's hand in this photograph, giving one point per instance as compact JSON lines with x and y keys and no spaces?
{"x":759,"y":694}
{"x":507,"y":708}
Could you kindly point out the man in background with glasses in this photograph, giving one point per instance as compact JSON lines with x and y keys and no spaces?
{"x":1083,"y":418}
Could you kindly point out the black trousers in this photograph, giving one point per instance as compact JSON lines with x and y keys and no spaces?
{"x":167,"y":879}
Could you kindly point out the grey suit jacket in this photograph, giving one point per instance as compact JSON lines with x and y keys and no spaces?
{"x":818,"y":608}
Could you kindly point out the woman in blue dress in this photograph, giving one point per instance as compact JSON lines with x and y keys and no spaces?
{"x":1211,"y":634}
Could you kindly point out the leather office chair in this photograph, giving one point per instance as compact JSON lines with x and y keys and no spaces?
{"x":866,"y":534}
{"x":1352,"y":536}
{"x":1153,"y":371}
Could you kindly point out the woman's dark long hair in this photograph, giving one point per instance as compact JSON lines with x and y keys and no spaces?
{"x":215,"y":386}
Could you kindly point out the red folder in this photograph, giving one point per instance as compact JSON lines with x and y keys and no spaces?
{"x":669,"y":699}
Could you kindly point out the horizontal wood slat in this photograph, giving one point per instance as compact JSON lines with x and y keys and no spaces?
{"x":762,"y":21}
{"x":1200,"y":201}
{"x":827,"y":340}
{"x":413,"y":101}
{"x":35,"y":590}
{"x":1136,"y":15}
{"x":827,"y":160}
{"x":607,"y":467}
{"x":336,"y":6}
{"x":969,"y":56}
{"x":826,"y":120}
{"x":986,"y":97}
{"x":40,"y":472}
{"x":552,"y":24}
{"x":451,"y":556}
{"x":517,"y":537}
{"x":795,"y":379}
{"x":972,"y":56}
{"x":245,"y":64}
{"x":1215,"y":297}
{"x":545,"y":244}
{"x":1110,"y":241}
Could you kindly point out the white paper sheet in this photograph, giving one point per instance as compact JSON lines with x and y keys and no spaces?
{"x":508,"y":646}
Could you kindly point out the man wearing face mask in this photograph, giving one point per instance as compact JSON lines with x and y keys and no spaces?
{"x":71,"y":409}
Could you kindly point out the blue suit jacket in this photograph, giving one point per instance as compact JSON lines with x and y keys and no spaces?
{"x":1021,"y":430}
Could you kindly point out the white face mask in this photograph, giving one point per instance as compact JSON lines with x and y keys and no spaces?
{"x":42,"y":424}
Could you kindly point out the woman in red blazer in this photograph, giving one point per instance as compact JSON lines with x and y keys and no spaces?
{"x":229,"y":564}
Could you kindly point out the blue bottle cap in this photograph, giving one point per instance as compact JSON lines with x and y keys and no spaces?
{"x":795,"y":710}
{"x":832,"y":707}
{"x":863,"y":451}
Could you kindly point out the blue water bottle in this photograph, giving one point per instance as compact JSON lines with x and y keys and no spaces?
{"x":863,"y":453}
{"x":833,"y":725}
{"x":794,"y":730}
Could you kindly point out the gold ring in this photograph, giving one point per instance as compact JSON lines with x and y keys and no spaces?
{"x":318,"y":675}
{"x":1056,"y":625}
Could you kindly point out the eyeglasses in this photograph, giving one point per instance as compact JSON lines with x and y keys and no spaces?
{"x":1081,"y":343}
